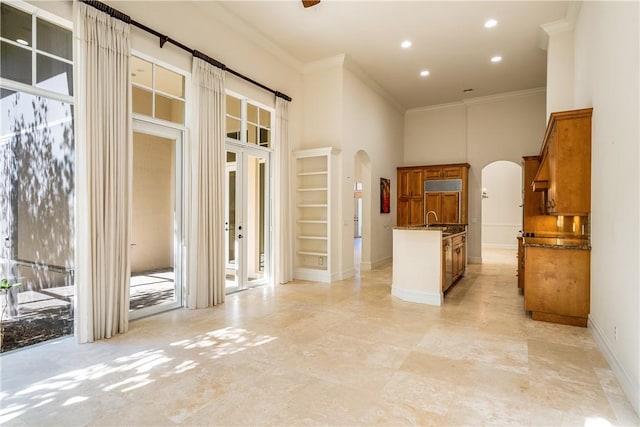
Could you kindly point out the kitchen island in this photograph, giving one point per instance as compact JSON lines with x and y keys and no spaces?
{"x":426,"y":261}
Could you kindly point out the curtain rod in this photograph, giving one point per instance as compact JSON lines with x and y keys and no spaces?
{"x":164,"y":39}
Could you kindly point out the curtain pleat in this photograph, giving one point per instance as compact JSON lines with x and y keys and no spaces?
{"x":103,"y":172}
{"x":283,"y":224}
{"x":205,"y":253}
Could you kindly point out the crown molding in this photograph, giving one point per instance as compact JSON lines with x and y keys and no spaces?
{"x":436,"y":107}
{"x":560,"y":26}
{"x":352,"y":66}
{"x":324,"y":64}
{"x":480,"y":100}
{"x":346,"y":63}
{"x":504,"y":96}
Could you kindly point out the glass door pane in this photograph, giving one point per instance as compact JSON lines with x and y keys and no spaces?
{"x":231,"y":221}
{"x":246,"y":217}
{"x":256,"y":224}
{"x":156,"y":226}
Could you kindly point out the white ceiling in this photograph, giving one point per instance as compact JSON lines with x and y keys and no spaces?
{"x":449,"y":39}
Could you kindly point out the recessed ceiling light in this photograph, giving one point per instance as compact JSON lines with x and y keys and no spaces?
{"x":23,"y":42}
{"x":424,"y":73}
{"x":496,"y":58}
{"x":490,"y":23}
{"x":406,"y":44}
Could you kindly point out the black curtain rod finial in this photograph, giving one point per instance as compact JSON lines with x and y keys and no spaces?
{"x":282,"y":95}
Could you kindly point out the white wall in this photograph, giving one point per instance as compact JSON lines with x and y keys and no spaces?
{"x":322,"y":104}
{"x":374,"y":125}
{"x":607,"y":78}
{"x":478,"y":131}
{"x":559,"y":68}
{"x":435,"y":135}
{"x":501,"y":209}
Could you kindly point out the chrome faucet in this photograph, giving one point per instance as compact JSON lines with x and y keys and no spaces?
{"x":426,"y":217}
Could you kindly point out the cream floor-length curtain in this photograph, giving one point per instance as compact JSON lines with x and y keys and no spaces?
{"x":283,"y":225}
{"x":103,"y":171}
{"x":205,"y":251}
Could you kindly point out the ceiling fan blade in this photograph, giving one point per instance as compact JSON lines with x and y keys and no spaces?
{"x":309,"y":3}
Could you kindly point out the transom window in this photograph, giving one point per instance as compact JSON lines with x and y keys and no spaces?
{"x":157,"y":91}
{"x":247,"y":122}
{"x":35,"y":52}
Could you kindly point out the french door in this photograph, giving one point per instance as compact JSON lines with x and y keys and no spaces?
{"x":156,"y":227}
{"x":247,"y":217}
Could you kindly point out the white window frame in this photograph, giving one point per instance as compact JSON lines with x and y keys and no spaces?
{"x":244,"y":100}
{"x":31,"y":88}
{"x":187,"y":93}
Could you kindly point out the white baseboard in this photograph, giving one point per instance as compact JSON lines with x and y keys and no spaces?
{"x":381,"y":262}
{"x":475,"y":260}
{"x":629,"y":386}
{"x":312,"y":275}
{"x":500,"y":246}
{"x":350,"y":272}
{"x":421,"y":297}
{"x":365,"y":266}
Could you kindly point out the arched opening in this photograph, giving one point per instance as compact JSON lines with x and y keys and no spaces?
{"x":501,"y":206}
{"x":362,"y":211}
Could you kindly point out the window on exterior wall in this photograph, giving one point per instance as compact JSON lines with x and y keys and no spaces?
{"x":36,"y":175}
{"x":35,"y":52}
{"x":157,"y":91}
{"x":247,"y":122}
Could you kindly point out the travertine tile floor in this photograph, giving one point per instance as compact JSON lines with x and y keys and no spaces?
{"x":316,"y":354}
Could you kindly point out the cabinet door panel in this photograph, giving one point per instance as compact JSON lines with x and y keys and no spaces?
{"x":433,"y":173}
{"x":451,"y":173}
{"x":403,"y":184}
{"x":450,"y":207}
{"x":403,"y":212}
{"x":433,"y":202}
{"x":416,"y":186}
{"x":416,"y":215}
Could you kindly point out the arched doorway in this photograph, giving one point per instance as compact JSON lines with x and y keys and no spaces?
{"x":501,"y":205}
{"x":362,"y":211}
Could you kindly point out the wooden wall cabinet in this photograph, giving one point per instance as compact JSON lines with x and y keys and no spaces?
{"x":410,"y":195}
{"x":564,"y":173}
{"x":451,"y":207}
{"x":443,"y":172}
{"x":446,"y":205}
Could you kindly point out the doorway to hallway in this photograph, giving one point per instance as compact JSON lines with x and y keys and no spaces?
{"x":156,"y":227}
{"x":247,"y":211}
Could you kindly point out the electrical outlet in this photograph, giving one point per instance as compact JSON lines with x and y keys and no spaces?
{"x":615,"y":333}
{"x":320,"y":260}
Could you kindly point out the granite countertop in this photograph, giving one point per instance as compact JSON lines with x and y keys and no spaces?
{"x":556,"y":243}
{"x":448,"y":230}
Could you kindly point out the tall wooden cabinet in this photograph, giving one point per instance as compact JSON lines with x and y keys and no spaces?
{"x":410,"y":193}
{"x":316,"y":221}
{"x":554,"y":260}
{"x":564,"y":174}
{"x":413,"y":203}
